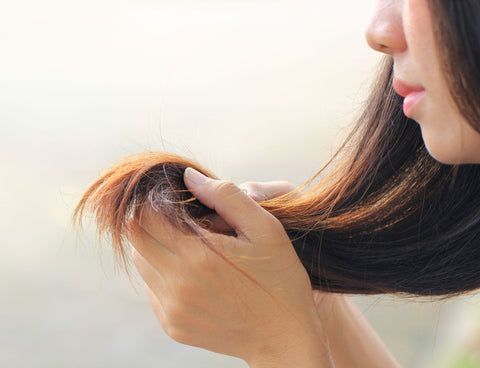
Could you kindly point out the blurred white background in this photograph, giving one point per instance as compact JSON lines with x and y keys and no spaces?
{"x":253,"y":89}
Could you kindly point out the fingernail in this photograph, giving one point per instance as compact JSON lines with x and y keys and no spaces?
{"x":195,"y":177}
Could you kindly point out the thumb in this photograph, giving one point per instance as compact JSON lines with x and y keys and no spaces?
{"x":238,"y":210}
{"x":267,"y":190}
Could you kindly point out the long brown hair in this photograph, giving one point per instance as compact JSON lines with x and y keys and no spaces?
{"x":385,"y":218}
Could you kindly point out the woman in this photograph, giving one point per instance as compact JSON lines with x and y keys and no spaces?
{"x":394,"y":216}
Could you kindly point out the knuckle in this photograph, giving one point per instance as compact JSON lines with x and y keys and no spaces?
{"x":176,"y":326}
{"x":178,"y":334}
{"x":272,"y":224}
{"x":225,"y":189}
{"x":256,"y":191}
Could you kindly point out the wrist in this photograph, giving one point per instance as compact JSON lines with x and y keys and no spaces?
{"x":306,"y":349}
{"x":352,"y":340}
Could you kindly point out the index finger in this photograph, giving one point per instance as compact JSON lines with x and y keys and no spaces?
{"x":238,"y":210}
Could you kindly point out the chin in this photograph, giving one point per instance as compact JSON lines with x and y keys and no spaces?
{"x":443,"y":152}
{"x":446,"y":151}
{"x":451,"y":141}
{"x":450,"y":156}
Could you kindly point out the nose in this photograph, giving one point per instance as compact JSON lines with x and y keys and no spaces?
{"x":385,"y":32}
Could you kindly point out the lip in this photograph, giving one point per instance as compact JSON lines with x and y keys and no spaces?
{"x":412,"y":95}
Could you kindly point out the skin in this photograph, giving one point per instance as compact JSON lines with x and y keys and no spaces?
{"x":200,"y":300}
{"x":403,"y":30}
{"x":205,"y":300}
{"x":257,"y":303}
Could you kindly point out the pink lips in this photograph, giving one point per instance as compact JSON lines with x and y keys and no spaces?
{"x":412,"y":95}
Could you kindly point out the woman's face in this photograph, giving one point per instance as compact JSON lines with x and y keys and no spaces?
{"x":403,"y":29}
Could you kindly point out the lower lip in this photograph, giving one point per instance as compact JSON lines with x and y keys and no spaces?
{"x":411,"y":101}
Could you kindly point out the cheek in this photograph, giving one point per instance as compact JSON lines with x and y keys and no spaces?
{"x":418,"y":30}
{"x":416,"y":13}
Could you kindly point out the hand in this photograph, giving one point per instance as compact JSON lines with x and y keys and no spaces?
{"x":247,"y":296}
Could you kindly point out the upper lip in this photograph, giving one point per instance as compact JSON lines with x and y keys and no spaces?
{"x":404,"y":89}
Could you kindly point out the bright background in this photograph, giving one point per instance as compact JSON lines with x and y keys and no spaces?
{"x":253,"y":89}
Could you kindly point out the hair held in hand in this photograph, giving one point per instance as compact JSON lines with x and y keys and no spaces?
{"x":386,"y":219}
{"x":381,"y":217}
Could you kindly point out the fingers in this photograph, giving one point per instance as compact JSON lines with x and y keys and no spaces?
{"x":267,"y":190}
{"x":145,"y":240}
{"x":234,"y":205}
{"x":153,"y":279}
{"x":157,"y":308}
{"x":159,"y":236}
{"x":258,"y":192}
{"x":149,"y":274}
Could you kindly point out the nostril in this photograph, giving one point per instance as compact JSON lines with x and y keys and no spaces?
{"x":372,"y":41}
{"x":386,"y":38}
{"x":385,"y":49}
{"x":384,"y":32}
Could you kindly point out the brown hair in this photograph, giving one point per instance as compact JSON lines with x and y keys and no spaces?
{"x":387,"y":218}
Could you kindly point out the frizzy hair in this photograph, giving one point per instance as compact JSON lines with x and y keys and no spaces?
{"x":385,"y":218}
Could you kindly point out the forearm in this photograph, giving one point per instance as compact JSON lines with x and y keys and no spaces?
{"x":352,"y":341}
